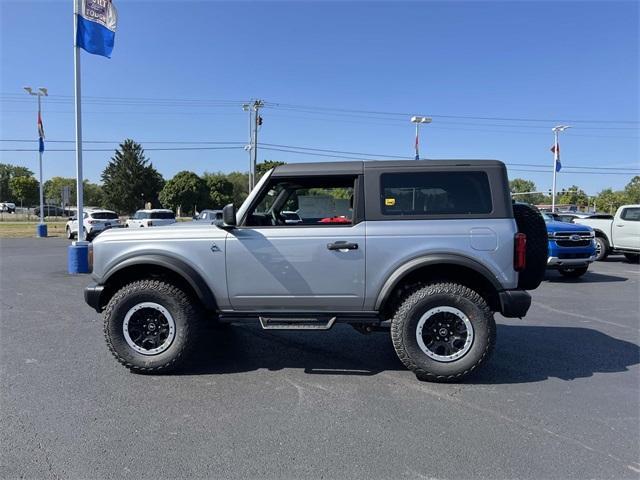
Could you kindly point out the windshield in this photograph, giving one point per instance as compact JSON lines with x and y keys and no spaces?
{"x":547,"y":217}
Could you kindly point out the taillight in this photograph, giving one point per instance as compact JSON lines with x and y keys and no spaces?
{"x":93,"y":222}
{"x":520,"y":252}
{"x":149,"y":224}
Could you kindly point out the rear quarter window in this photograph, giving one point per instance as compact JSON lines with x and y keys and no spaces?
{"x":435,"y":193}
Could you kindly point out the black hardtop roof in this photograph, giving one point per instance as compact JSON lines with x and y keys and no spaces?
{"x":358,"y":167}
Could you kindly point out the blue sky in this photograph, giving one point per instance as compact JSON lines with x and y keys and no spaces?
{"x":180,"y":71}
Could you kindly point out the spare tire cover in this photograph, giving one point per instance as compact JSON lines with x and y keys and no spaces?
{"x":531,"y":223}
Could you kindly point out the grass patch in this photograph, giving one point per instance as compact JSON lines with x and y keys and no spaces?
{"x":28,"y":229}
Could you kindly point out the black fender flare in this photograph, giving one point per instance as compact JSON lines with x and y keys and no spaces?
{"x":177,"y":266}
{"x":430,"y":260}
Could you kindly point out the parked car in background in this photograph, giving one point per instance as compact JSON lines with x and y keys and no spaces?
{"x":8,"y":207}
{"x":571,"y":247}
{"x":211,"y":216}
{"x":51,"y":211}
{"x":290,"y":218}
{"x":95,"y":222}
{"x":620,"y":234}
{"x":151,"y":218}
{"x":569,"y":217}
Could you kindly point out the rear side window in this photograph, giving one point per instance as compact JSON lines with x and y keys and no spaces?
{"x":631,"y":214}
{"x":435,"y":193}
{"x":163,"y":215}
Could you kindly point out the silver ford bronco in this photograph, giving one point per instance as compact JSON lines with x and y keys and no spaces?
{"x":427,"y":250}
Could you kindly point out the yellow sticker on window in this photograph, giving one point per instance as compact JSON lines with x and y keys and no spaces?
{"x":389,"y":202}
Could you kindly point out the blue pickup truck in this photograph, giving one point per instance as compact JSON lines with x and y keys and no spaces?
{"x":571,"y":247}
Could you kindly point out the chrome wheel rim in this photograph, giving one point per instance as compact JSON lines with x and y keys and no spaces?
{"x":149,"y":328}
{"x":598,"y":248}
{"x":444,"y":334}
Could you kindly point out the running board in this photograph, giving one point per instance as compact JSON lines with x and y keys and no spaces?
{"x":289,"y":323}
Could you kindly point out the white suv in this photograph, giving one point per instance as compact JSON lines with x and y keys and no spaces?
{"x":95,"y":221}
{"x":151,"y":218}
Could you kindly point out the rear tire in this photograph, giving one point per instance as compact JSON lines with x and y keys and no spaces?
{"x":141,"y":346}
{"x":602,"y":249}
{"x":573,"y":272}
{"x":632,"y":257}
{"x":531,"y":223}
{"x":443,"y":331}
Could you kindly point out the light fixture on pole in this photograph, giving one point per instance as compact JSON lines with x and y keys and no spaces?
{"x":41,"y":229}
{"x":556,"y":161}
{"x":418,"y":120}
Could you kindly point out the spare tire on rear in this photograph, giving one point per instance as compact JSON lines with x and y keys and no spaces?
{"x":531,"y":223}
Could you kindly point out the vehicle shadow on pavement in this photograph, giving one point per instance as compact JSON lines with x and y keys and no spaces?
{"x":245,"y":348}
{"x":589,"y":277}
{"x":526,"y":354}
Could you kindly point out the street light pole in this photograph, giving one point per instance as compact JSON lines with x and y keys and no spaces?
{"x":254,"y":149}
{"x":556,"y":159}
{"x":418,"y":120}
{"x":41,"y":91}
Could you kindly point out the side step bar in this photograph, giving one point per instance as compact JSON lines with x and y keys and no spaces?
{"x":288,"y":323}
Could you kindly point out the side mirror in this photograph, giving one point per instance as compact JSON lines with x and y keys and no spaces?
{"x":229,"y":215}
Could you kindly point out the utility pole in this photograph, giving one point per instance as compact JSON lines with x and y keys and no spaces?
{"x":257,"y":121}
{"x":248,"y":147}
{"x":42,"y":228}
{"x":556,"y":161}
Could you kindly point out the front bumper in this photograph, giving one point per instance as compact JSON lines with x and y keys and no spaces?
{"x":566,"y":262}
{"x":92,"y":295}
{"x":514,"y":303}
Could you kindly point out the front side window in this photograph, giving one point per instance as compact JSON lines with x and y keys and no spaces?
{"x":631,"y":214}
{"x":305,"y":202}
{"x":435,"y":193}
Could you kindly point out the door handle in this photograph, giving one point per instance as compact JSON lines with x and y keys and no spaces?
{"x":342,"y":246}
{"x":618,"y":225}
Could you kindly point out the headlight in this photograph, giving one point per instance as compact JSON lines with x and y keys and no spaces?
{"x":592,"y":234}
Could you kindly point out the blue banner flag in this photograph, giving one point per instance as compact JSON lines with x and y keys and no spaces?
{"x":96,"y":29}
{"x":40,"y":134}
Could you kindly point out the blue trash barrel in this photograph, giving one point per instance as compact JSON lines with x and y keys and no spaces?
{"x":41,"y":230}
{"x":78,"y":258}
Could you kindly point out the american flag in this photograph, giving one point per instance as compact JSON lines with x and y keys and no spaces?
{"x":40,"y":134}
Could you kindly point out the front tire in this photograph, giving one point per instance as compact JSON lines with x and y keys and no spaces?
{"x":573,"y":272}
{"x":151,"y":326}
{"x":443,"y":331}
{"x":602,"y":249}
{"x":69,"y":234}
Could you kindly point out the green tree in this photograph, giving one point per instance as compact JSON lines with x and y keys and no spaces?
{"x":609,"y":200}
{"x":129,"y":180}
{"x":240,"y":181}
{"x":264,"y":167}
{"x":185,"y":191}
{"x":26,"y":190}
{"x":220,"y":189}
{"x":632,"y":190}
{"x":520,"y":185}
{"x":7,"y":172}
{"x":573,"y":196}
{"x":92,"y":193}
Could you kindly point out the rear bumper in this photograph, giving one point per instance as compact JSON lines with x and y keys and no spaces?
{"x":92,"y":295}
{"x":514,"y":303}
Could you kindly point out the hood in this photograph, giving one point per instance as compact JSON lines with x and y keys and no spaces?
{"x":566,"y":227}
{"x":175,"y":231}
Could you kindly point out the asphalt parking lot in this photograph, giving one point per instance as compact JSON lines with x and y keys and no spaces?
{"x":559,"y":398}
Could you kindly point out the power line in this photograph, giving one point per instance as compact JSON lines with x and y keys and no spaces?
{"x":176,"y":149}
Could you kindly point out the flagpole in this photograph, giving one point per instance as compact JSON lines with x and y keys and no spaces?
{"x":78,"y":111}
{"x":555,"y":164}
